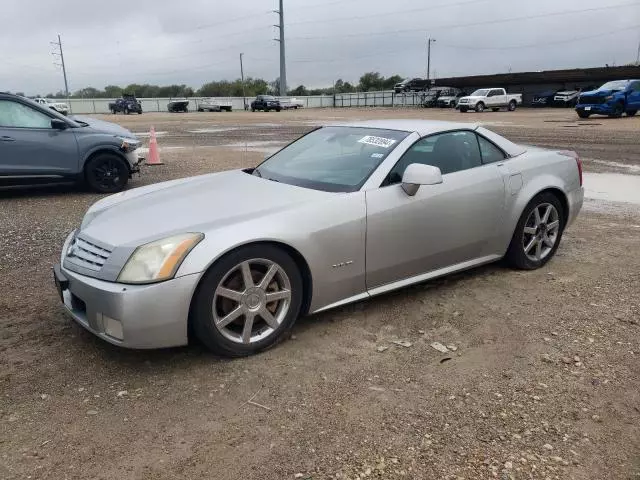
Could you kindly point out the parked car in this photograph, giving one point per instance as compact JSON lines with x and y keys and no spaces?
{"x":543,"y":99}
{"x":213,"y":105}
{"x":448,"y":97}
{"x":59,"y":107}
{"x":566,"y":98}
{"x":412,"y":85}
{"x":493,"y":98}
{"x":266,"y":103}
{"x":127,"y":104}
{"x":405,"y":200}
{"x":39,"y":145}
{"x":178,"y":105}
{"x":612,"y":99}
{"x":291,"y":103}
{"x":430,"y":98}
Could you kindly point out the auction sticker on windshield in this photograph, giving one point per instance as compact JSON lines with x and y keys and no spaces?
{"x":377,"y":141}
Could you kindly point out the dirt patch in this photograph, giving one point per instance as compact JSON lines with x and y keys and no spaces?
{"x":541,"y":379}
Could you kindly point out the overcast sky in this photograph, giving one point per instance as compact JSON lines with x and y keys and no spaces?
{"x":194,"y":41}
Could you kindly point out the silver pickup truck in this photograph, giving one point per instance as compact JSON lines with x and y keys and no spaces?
{"x":493,"y":98}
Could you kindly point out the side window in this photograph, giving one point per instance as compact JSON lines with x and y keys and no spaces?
{"x":490,"y":153}
{"x":450,"y":152}
{"x":636,"y":87}
{"x":17,"y":115}
{"x":495,"y":92}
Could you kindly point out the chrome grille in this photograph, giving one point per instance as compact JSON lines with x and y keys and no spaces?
{"x":87,"y":254}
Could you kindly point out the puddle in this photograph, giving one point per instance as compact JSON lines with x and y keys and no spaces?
{"x":612,"y":187}
{"x":622,"y":166}
{"x":146,"y":134}
{"x":146,"y":149}
{"x":266,"y":146}
{"x":213,"y":130}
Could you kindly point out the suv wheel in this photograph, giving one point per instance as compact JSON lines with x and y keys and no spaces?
{"x":480,"y":107}
{"x":106,"y":173}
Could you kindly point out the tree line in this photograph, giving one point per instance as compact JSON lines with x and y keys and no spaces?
{"x":370,"y":81}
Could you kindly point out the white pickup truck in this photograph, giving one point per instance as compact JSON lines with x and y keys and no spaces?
{"x":214,"y":105}
{"x":493,"y":98}
{"x":59,"y":107}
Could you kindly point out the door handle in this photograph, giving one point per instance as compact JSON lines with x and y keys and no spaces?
{"x":7,"y":139}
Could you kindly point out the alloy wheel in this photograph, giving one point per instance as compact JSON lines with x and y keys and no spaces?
{"x":251,"y":301}
{"x":541,"y":232}
{"x":107,"y":173}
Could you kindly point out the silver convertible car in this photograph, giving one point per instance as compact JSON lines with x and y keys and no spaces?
{"x":343,"y":213}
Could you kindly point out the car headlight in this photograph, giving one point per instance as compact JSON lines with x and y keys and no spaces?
{"x":608,"y":97}
{"x":158,"y":261}
{"x":128,"y":144}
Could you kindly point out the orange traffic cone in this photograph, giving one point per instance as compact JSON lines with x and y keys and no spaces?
{"x":154,"y":155}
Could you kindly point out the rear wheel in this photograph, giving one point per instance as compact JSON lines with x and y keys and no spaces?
{"x":106,"y":173}
{"x":631,"y":113}
{"x":538,"y":233}
{"x":247,"y":301}
{"x":463,"y":109}
{"x":583,"y":114}
{"x":512,"y":105}
{"x":480,"y":107}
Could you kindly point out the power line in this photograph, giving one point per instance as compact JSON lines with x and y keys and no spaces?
{"x":541,"y":44}
{"x":385,"y":14}
{"x":463,"y":25}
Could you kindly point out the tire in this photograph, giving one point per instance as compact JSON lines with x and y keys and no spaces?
{"x":463,"y":109}
{"x":479,"y":107}
{"x":253,"y":109}
{"x":631,"y":113}
{"x":539,"y":251}
{"x":583,"y":114}
{"x":512,"y":106}
{"x":494,"y":109}
{"x":201,"y":109}
{"x":210,"y":308}
{"x":126,"y":110}
{"x":106,"y":173}
{"x":618,"y":110}
{"x":278,"y":110}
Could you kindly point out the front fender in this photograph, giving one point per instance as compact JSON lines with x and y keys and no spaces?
{"x":329,"y":235}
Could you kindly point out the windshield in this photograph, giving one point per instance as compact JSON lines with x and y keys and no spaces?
{"x":480,"y":93}
{"x":616,"y":85}
{"x":332,"y":159}
{"x":266,"y":97}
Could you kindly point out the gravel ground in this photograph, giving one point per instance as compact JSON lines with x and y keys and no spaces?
{"x":540,"y":380}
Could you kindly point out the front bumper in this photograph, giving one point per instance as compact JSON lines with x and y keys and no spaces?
{"x":135,"y":160}
{"x":131,"y":316}
{"x":601,"y":109}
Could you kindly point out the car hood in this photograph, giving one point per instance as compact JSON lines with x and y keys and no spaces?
{"x":104,"y":127}
{"x":446,"y":97}
{"x":469,"y":97}
{"x":197,"y":204}
{"x":599,"y":93}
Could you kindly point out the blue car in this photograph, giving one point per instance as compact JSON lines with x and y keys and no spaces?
{"x":612,"y":99}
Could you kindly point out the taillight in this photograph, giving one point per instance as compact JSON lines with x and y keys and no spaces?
{"x":574,"y":155}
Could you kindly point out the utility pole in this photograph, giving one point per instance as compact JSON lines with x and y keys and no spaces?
{"x":638,"y":54}
{"x":429,"y":42}
{"x":61,"y":64}
{"x":283,"y":68}
{"x":244,"y":97}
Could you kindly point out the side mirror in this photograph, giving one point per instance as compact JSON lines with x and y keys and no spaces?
{"x":418,"y":174}
{"x":58,"y":124}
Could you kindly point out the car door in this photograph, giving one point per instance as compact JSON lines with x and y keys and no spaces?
{"x":30,"y":147}
{"x":498,"y":97}
{"x":633,"y":97}
{"x":442,"y":225}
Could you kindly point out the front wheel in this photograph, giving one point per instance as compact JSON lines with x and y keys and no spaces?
{"x":583,"y":114}
{"x":480,"y":107}
{"x":247,"y":301}
{"x":538,"y":233}
{"x":463,"y":109}
{"x":618,"y":110}
{"x":631,"y":113}
{"x":512,"y":105}
{"x":106,"y":173}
